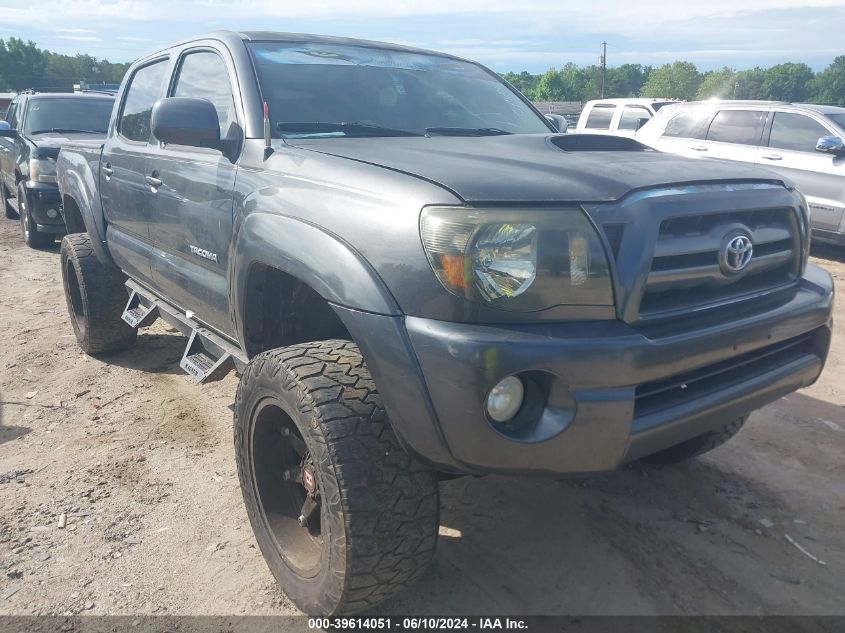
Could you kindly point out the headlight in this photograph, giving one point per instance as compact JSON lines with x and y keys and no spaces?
{"x":42,"y":169}
{"x":517,"y":260}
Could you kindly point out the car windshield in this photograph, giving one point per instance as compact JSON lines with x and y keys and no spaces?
{"x":341,"y":90}
{"x":68,"y":115}
{"x":838,"y":118}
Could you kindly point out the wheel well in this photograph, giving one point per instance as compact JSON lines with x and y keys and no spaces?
{"x":281,"y":310}
{"x":72,"y":215}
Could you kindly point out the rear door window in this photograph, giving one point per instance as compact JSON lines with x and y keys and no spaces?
{"x":12,"y":115}
{"x":631,"y":116}
{"x":600,"y":117}
{"x":796,"y":132}
{"x":740,"y":127}
{"x":144,"y":89}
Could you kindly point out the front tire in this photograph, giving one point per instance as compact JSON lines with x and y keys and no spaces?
{"x":697,"y":445}
{"x":95,"y":297}
{"x":31,"y":236}
{"x":310,"y":430}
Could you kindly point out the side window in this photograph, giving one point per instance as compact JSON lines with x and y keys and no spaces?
{"x":688,"y":123}
{"x":796,"y":132}
{"x":203,"y":76}
{"x":631,"y":115}
{"x":600,"y":117}
{"x":144,"y":89}
{"x":742,"y":127}
{"x":12,"y":115}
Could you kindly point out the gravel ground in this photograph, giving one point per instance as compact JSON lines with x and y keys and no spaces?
{"x":139,"y":461}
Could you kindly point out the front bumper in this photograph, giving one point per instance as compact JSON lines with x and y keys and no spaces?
{"x":612,"y":394}
{"x":45,"y":200}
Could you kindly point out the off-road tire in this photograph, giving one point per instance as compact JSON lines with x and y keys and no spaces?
{"x":11,"y":214}
{"x":95,"y":297}
{"x":697,"y":445}
{"x":380,"y":509}
{"x":29,"y":230}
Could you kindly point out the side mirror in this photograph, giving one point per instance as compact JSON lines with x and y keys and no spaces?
{"x":831,"y":145}
{"x":558,"y":122}
{"x":6,"y":130}
{"x":186,"y":121}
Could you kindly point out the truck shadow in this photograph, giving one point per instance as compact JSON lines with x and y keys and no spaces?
{"x":153,"y":352}
{"x":828,"y":251}
{"x":644,"y":540}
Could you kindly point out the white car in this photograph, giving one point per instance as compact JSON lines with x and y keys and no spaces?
{"x":620,"y":117}
{"x":803,"y":142}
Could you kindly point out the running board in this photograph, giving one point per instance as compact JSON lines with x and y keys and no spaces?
{"x":208,"y":356}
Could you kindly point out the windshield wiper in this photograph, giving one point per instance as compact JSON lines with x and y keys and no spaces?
{"x":67,"y":130}
{"x":465,"y":131}
{"x":351,"y":128}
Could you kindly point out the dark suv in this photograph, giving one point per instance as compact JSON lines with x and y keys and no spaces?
{"x":36,"y":126}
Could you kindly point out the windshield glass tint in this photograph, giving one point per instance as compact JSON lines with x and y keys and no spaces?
{"x":87,"y":115}
{"x":311,"y":82}
{"x":837,"y":118}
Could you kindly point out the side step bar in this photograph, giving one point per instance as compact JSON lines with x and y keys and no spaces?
{"x":208,"y":356}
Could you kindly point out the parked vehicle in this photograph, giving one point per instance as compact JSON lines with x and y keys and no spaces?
{"x":36,"y":126}
{"x":414,"y":275}
{"x":620,"y":117}
{"x":804,"y":143}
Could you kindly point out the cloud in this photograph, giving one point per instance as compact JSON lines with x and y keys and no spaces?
{"x":80,"y":38}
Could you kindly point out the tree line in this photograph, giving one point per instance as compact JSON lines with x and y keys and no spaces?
{"x":23,"y":65}
{"x":682,"y":80}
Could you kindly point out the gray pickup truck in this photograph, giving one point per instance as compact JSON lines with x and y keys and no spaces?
{"x":416,"y":277}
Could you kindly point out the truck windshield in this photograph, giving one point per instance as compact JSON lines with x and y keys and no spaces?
{"x":81,"y":115}
{"x":838,"y":118}
{"x":341,"y":90}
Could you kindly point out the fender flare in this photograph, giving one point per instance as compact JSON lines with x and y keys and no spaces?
{"x":78,"y":182}
{"x":323,"y":261}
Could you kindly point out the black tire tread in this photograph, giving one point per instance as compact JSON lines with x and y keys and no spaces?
{"x":697,"y":445}
{"x":389,"y":500}
{"x":104,"y":296}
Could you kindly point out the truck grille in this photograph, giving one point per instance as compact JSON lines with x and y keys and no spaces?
{"x":670,"y":392}
{"x":686,"y":273}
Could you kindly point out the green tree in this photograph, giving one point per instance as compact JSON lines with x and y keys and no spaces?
{"x":678,"y":80}
{"x":626,"y":80}
{"x":525,"y":82}
{"x":749,"y":84}
{"x":718,"y":84}
{"x":787,"y":82}
{"x":828,"y":86}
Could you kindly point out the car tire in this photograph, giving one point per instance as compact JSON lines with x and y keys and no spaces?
{"x":11,"y":214}
{"x":95,"y":296}
{"x":31,"y":236}
{"x":309,"y":417}
{"x":697,"y":445}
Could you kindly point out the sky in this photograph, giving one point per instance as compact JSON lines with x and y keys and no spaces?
{"x":506,"y":35}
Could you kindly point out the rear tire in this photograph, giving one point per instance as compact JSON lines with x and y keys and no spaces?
{"x":11,"y":214}
{"x":311,"y":412}
{"x":31,"y":236}
{"x":95,"y":297}
{"x":697,"y":445}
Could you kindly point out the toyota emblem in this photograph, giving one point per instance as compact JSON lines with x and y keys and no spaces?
{"x":736,"y":253}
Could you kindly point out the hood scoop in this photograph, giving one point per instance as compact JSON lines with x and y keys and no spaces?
{"x":597,"y":143}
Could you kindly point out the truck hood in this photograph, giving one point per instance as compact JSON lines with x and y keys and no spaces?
{"x":534,"y":167}
{"x":48,"y":144}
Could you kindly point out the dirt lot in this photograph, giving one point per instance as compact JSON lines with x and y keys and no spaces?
{"x":141,"y":462}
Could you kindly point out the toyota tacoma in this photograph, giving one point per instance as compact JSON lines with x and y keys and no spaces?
{"x":417,"y":277}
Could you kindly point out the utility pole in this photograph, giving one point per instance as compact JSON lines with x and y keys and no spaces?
{"x":603,"y":67}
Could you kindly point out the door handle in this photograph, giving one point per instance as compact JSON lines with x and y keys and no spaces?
{"x":773,"y":157}
{"x":107,"y":170}
{"x":699,"y":148}
{"x":153,"y":180}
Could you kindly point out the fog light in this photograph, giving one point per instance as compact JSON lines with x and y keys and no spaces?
{"x":505,"y":399}
{"x":52,"y":214}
